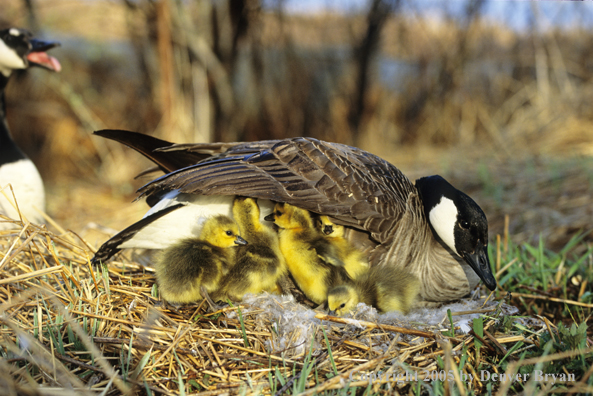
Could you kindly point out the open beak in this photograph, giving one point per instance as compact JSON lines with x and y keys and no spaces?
{"x":240,"y":241}
{"x":38,"y":57}
{"x":328,"y":229}
{"x":479,"y":262}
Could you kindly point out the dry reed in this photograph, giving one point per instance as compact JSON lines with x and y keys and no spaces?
{"x":75,"y":329}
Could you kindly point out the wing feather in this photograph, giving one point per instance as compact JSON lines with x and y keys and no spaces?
{"x":361,"y":189}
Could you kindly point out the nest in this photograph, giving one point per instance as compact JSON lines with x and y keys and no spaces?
{"x":72,"y":328}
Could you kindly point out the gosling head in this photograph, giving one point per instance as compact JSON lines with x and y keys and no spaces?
{"x":290,"y":217}
{"x":458,"y":222}
{"x":222,"y":231}
{"x":19,"y":50}
{"x":341,"y":300}
{"x":329,"y":228}
{"x":245,"y":207}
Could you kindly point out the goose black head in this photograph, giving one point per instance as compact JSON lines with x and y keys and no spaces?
{"x":19,"y":50}
{"x":459,"y":223}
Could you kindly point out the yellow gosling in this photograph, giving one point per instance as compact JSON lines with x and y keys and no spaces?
{"x":385,"y":290}
{"x":259,"y":264}
{"x":184,"y":268}
{"x":298,"y":241}
{"x":354,"y":261}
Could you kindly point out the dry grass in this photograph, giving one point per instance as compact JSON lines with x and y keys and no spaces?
{"x":69,"y":327}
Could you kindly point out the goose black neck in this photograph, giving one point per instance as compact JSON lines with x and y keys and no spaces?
{"x":3,"y":82}
{"x":9,"y":151}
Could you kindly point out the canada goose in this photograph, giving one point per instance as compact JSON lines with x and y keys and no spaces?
{"x":18,"y":50}
{"x":259,"y":264}
{"x":351,"y":258}
{"x":385,"y":290}
{"x":184,"y":268}
{"x":299,"y":241}
{"x":430,"y":229}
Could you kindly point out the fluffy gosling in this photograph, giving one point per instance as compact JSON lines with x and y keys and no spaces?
{"x":354,"y":261}
{"x":184,"y":268}
{"x":299,"y":243}
{"x":259,"y":264}
{"x":385,"y":290}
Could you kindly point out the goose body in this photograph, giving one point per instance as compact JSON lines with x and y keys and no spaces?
{"x":429,"y":229}
{"x":300,"y":243}
{"x":18,"y":50}
{"x":260,"y":264}
{"x":186,"y":267}
{"x":385,"y":290}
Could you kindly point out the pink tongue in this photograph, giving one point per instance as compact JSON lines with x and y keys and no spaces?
{"x":45,"y":60}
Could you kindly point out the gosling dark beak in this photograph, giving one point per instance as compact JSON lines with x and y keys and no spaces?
{"x":240,"y":241}
{"x":37,"y":55}
{"x":478,"y":260}
{"x":269,"y":217}
{"x":328,"y":229}
{"x":332,"y":313}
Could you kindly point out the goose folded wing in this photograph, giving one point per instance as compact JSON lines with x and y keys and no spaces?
{"x":147,"y":145}
{"x":211,"y":151}
{"x":354,"y":187}
{"x":114,"y":244}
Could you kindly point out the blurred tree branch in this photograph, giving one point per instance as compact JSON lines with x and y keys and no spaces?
{"x":378,"y":14}
{"x":31,"y":15}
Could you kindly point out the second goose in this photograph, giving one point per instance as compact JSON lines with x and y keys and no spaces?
{"x":19,"y":50}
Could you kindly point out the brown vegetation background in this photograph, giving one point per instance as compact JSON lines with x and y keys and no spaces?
{"x":505,"y":114}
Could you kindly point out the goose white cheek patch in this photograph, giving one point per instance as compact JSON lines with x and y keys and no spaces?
{"x":10,"y":60}
{"x":443,"y":218}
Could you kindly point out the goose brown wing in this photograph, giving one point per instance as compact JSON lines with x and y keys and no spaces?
{"x":211,"y":151}
{"x":111,"y":247}
{"x":148,"y":145}
{"x":353,"y":186}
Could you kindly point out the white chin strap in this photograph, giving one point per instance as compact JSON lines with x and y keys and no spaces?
{"x":9,"y":60}
{"x":443,"y":218}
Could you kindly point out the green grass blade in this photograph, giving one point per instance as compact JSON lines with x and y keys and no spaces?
{"x":243,"y":331}
{"x":141,"y":364}
{"x":329,"y":351}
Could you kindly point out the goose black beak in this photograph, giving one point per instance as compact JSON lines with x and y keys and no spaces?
{"x":328,"y":229}
{"x":240,"y":241}
{"x":37,"y":55}
{"x":269,"y":217}
{"x":332,"y":313}
{"x":478,"y":260}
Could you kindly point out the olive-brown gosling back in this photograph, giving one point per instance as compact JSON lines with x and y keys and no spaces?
{"x":299,"y":241}
{"x":259,"y":264}
{"x":184,"y":268}
{"x":385,"y":290}
{"x":354,"y":261}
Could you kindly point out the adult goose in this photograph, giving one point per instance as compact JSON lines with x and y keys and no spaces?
{"x":19,"y":50}
{"x":430,"y":229}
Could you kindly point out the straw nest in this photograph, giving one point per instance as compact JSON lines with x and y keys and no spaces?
{"x":73,"y":329}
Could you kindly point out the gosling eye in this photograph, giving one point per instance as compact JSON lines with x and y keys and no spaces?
{"x":464,"y":224}
{"x":342,"y":305}
{"x":229,"y":233}
{"x":278,"y":213}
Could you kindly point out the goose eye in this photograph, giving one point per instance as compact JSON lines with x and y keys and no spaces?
{"x":278,"y":213}
{"x":342,"y":305}
{"x":464,"y":224}
{"x":229,"y":233}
